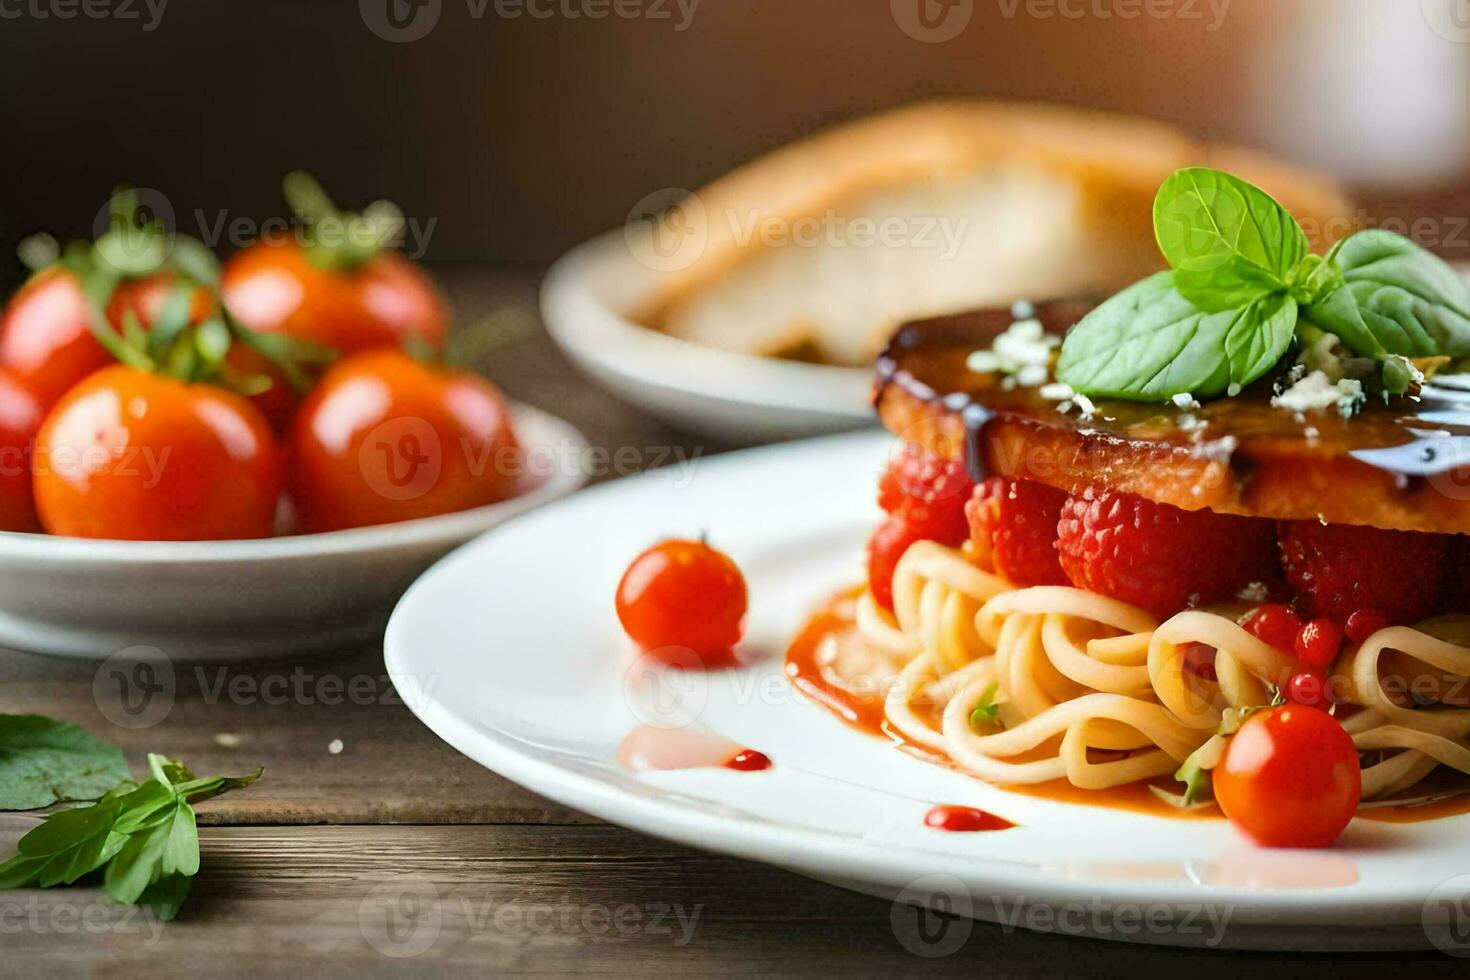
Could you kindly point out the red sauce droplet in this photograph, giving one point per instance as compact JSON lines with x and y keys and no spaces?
{"x":964,"y":819}
{"x":749,"y":760}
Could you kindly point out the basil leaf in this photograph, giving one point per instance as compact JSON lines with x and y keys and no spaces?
{"x":1149,"y":343}
{"x":1228,"y":287}
{"x":1396,"y":298}
{"x":166,"y":895}
{"x":1210,"y":221}
{"x":44,"y":761}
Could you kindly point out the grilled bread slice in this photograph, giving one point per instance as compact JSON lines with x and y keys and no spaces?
{"x":1404,"y":466}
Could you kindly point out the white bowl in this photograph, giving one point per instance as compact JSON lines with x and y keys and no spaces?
{"x":218,"y":600}
{"x":588,"y":301}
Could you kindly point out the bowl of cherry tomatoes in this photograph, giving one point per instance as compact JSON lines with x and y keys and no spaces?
{"x":238,"y":460}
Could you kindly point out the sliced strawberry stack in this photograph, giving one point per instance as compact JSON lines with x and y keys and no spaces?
{"x":925,"y":498}
{"x":1340,"y":569}
{"x":1014,"y":526}
{"x":1158,"y":557}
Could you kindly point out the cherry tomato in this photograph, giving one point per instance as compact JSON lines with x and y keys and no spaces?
{"x":145,"y":299}
{"x":1290,"y":778}
{"x":272,"y":287}
{"x":127,"y":454}
{"x":20,"y":417}
{"x":45,"y":339}
{"x":683,"y":595}
{"x":384,"y":438}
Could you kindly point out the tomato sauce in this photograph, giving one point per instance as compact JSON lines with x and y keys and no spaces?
{"x":964,"y":819}
{"x":864,"y":711}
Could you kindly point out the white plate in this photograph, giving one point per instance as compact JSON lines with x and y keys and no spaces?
{"x":510,"y":651}
{"x":212,"y":600}
{"x":587,"y":303}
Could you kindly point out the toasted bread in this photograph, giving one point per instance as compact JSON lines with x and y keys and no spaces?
{"x":1405,"y":466}
{"x":820,"y":249}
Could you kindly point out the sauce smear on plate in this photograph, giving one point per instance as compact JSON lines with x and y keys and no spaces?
{"x":964,"y":819}
{"x":647,"y":748}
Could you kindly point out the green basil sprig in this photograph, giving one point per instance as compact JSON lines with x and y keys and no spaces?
{"x":142,"y":838}
{"x":1242,"y":283}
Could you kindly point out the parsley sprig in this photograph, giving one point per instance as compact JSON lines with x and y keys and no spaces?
{"x":141,"y":837}
{"x":1243,"y":284}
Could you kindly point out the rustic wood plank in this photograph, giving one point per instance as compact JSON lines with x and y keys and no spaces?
{"x":421,"y":900}
{"x":285,"y":716}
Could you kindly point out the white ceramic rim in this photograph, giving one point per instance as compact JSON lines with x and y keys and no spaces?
{"x":585,"y":318}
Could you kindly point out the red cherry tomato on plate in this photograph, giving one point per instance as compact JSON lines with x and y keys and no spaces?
{"x":45,"y":338}
{"x":20,"y":418}
{"x":1290,"y":778}
{"x":384,"y":438}
{"x":683,"y":595}
{"x":272,"y":287}
{"x":145,"y":299}
{"x":131,"y":455}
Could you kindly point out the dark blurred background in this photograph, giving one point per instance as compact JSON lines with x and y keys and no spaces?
{"x":522,"y":126}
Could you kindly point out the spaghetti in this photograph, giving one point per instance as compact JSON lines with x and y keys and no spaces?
{"x":1029,"y":685}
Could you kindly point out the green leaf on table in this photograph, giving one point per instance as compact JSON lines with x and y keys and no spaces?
{"x":1149,"y":343}
{"x":1396,"y":298}
{"x":1211,"y":222}
{"x":144,"y":838}
{"x":44,"y":761}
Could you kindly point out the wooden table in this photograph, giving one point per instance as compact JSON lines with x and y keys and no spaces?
{"x":397,"y":854}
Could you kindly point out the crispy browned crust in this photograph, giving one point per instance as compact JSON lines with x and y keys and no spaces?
{"x":1118,"y":161}
{"x":1247,"y":458}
